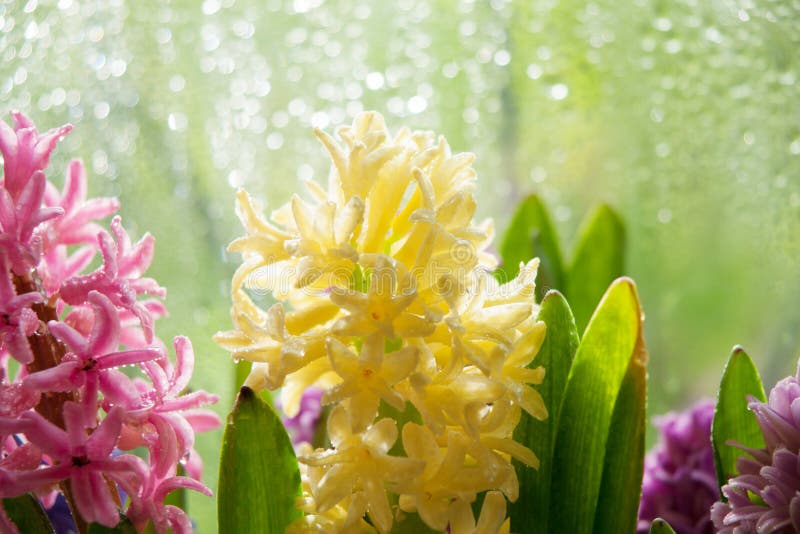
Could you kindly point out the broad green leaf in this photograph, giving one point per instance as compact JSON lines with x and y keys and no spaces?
{"x":530,"y":513}
{"x":123,"y":527}
{"x":259,"y":477}
{"x":623,"y":466}
{"x":732,"y":419}
{"x":659,"y":526}
{"x":530,"y":234}
{"x":27,"y":514}
{"x":598,"y":259}
{"x":612,"y":339}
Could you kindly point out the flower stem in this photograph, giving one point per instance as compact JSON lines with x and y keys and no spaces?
{"x":48,"y":352}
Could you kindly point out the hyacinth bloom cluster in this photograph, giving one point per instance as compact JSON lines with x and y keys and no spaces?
{"x":387,"y":303}
{"x":69,"y":415}
{"x":765,"y":496}
{"x":679,"y":483}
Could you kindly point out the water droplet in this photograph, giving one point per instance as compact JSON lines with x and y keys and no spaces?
{"x":664,"y":215}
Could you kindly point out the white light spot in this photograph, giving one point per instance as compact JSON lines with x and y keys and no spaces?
{"x":374,"y":80}
{"x":538,"y":174}
{"x":177,"y":83}
{"x":662,"y":24}
{"x":417,"y":104}
{"x":305,"y":172}
{"x":559,"y":91}
{"x":235,"y":178}
{"x":664,"y":215}
{"x":502,"y":58}
{"x":470,"y":115}
{"x":673,"y":46}
{"x":450,"y":70}
{"x":274,"y":141}
{"x":534,"y":71}
{"x":211,"y":6}
{"x":101,"y":110}
{"x":176,"y":121}
{"x":320,"y":119}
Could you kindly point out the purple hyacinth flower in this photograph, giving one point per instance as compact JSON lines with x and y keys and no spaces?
{"x":679,"y":483}
{"x":302,"y":426}
{"x":765,"y":496}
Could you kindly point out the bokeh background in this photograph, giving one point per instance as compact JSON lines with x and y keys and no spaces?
{"x":684,"y":115}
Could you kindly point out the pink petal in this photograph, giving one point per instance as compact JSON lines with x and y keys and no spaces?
{"x":21,"y":120}
{"x":203,"y":420}
{"x":184,"y":365}
{"x":93,"y":497}
{"x":128,"y":357}
{"x":75,"y":417}
{"x":105,"y":331}
{"x":66,"y":376}
{"x":117,"y":388}
{"x":178,"y":520}
{"x":8,"y":213}
{"x":103,"y":440}
{"x":70,"y":337}
{"x":10,"y":425}
{"x":16,"y":343}
{"x":47,"y":143}
{"x":74,"y":192}
{"x":47,"y":436}
{"x":173,"y":483}
{"x":8,"y":142}
{"x":194,"y":399}
{"x":109,"y":250}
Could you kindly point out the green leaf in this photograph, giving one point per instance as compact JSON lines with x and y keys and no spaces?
{"x":659,"y":526}
{"x":623,"y":466}
{"x":732,"y":419}
{"x":530,"y":513}
{"x":612,"y":339}
{"x":27,"y":514}
{"x":259,"y":477}
{"x":123,"y":527}
{"x":530,"y":234}
{"x":598,"y":259}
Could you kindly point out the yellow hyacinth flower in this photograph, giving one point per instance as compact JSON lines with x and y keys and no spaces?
{"x":386,"y":301}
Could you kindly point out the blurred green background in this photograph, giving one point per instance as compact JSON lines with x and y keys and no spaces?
{"x":683,"y":115}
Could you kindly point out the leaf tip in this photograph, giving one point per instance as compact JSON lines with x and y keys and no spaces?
{"x":738,"y":349}
{"x":246,"y":394}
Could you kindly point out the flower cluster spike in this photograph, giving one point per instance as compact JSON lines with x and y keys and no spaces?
{"x":68,"y":413}
{"x":679,"y":483}
{"x":386,"y":301}
{"x":765,"y":496}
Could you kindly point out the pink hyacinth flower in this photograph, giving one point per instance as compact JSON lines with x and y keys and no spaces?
{"x":82,"y":458}
{"x":17,"y":320}
{"x":120,"y":276}
{"x":88,"y":361}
